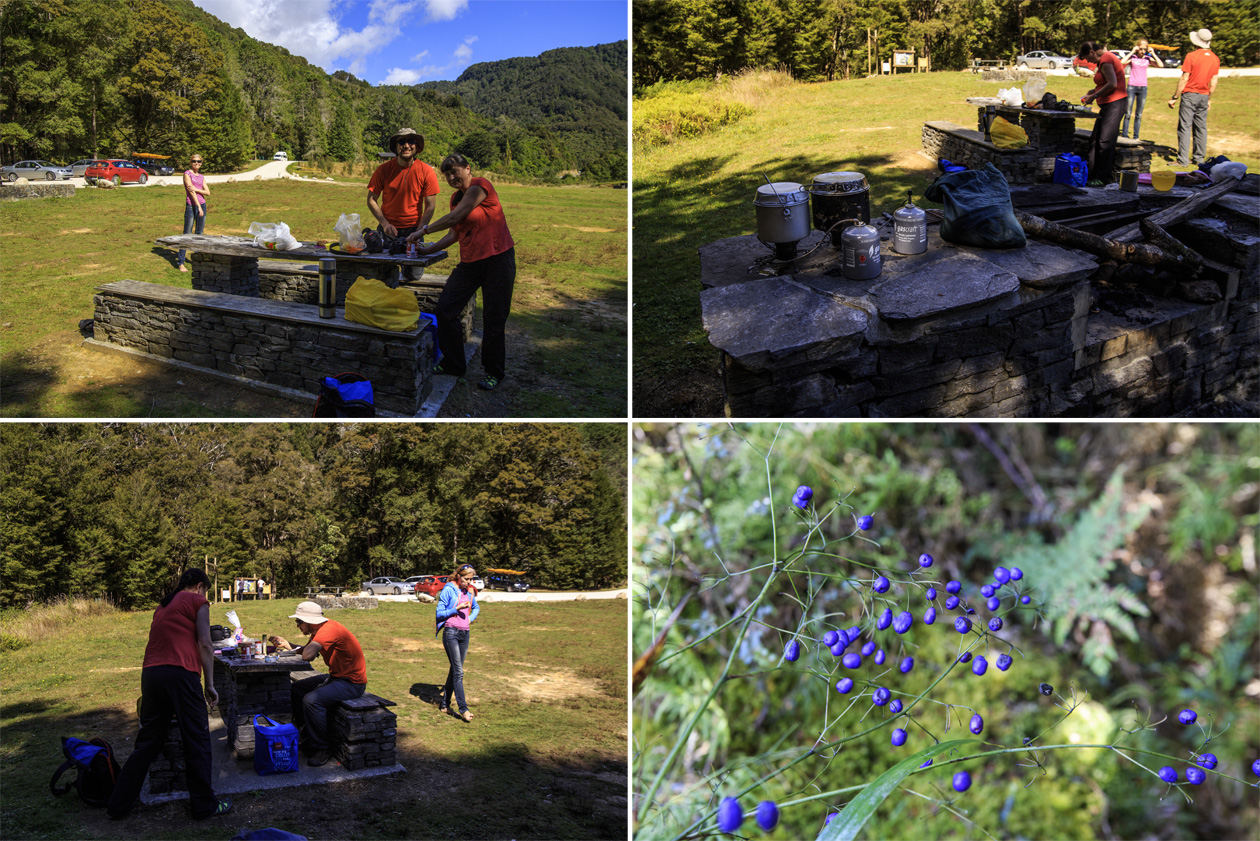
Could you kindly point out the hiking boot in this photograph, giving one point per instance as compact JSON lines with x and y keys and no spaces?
{"x":318,"y":758}
{"x":488,"y":383}
{"x":223,"y":808}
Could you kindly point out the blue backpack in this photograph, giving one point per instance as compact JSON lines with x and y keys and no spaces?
{"x":275,"y":747}
{"x":1071,"y":169}
{"x":347,"y":395}
{"x":97,"y":770}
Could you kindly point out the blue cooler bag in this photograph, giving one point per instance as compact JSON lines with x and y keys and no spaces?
{"x":1071,"y":169}
{"x":275,"y":747}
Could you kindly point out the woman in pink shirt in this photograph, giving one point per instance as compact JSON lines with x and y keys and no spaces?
{"x":457,"y":609}
{"x":195,"y":192}
{"x":1138,"y":61}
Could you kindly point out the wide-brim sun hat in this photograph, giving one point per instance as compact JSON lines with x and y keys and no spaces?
{"x":311,"y":613}
{"x":1201,"y":38}
{"x":407,"y":132}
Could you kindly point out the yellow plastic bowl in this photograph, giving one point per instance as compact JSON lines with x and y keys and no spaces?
{"x":1163,"y":181}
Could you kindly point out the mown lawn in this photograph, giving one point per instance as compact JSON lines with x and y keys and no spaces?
{"x":570,"y":299}
{"x":700,"y":190}
{"x":545,"y":756}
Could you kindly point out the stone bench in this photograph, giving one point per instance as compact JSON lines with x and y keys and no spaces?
{"x":36,"y":190}
{"x":346,"y":602}
{"x":289,"y":280}
{"x":363,"y":732}
{"x":280,"y":346}
{"x":943,"y":139}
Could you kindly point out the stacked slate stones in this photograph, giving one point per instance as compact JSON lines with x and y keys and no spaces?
{"x":363,"y":733}
{"x":223,"y":273}
{"x":262,"y":692}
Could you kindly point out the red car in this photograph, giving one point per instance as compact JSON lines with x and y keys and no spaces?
{"x":431,"y":584}
{"x":116,"y":170}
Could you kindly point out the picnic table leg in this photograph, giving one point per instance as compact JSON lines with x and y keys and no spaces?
{"x":223,"y":273}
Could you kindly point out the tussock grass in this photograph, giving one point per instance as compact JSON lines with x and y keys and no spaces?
{"x":670,"y":111}
{"x":20,"y":627}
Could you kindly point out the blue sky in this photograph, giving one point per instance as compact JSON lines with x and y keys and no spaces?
{"x":402,"y":42}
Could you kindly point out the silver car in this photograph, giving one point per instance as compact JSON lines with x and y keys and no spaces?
{"x":387,"y":585}
{"x":1042,"y":60}
{"x":35,"y":171}
{"x":80,"y":167}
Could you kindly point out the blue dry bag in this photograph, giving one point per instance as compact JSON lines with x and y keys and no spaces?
{"x":275,"y":747}
{"x":1071,"y":169}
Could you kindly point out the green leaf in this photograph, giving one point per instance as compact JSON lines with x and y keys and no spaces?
{"x":854,"y":816}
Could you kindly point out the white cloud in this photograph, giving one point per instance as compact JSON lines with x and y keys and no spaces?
{"x":399,"y":76}
{"x":420,"y":56}
{"x":463,"y":52}
{"x":445,"y":9}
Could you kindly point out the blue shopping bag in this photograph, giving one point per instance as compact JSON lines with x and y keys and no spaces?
{"x":1071,"y":169}
{"x":275,"y":747}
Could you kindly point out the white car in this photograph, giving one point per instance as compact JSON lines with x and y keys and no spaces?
{"x":1042,"y":60}
{"x":281,"y":156}
{"x":387,"y":585}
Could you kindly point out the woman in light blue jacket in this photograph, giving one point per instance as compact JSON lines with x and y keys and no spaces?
{"x":457,"y":609}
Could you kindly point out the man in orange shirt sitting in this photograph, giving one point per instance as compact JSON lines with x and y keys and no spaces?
{"x":1197,"y":84}
{"x":402,"y":193}
{"x":314,"y":697}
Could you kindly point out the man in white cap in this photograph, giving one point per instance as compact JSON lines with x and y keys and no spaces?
{"x":1195,"y":88}
{"x":402,"y":193}
{"x":315,"y":696}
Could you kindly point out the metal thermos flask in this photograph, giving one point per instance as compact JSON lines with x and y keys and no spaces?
{"x":327,"y":287}
{"x":859,"y":245}
{"x":909,"y":228}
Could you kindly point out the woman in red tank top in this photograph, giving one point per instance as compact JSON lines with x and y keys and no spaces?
{"x":1111,"y":92}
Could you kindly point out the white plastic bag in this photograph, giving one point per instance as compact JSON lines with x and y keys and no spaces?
{"x":350,"y":233}
{"x":1034,"y":89}
{"x":1011,"y":96}
{"x":273,"y":237}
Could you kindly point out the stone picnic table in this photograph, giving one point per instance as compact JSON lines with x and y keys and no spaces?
{"x":230,"y":263}
{"x":1048,"y":131}
{"x":253,"y":687}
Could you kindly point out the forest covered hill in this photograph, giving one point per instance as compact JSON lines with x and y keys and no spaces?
{"x":113,"y":78}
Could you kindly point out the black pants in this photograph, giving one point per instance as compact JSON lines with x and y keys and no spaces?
{"x":494,"y":276}
{"x":1102,"y":141}
{"x":167,"y":691}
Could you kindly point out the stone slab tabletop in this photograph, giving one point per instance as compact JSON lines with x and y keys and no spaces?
{"x":985,"y":101}
{"x":284,"y":664}
{"x":244,"y":247}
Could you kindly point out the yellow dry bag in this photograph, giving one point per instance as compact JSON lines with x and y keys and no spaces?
{"x":373,"y":303}
{"x":1007,"y":135}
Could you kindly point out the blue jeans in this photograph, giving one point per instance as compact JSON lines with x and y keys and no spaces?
{"x":312,"y":698}
{"x":1192,"y":113}
{"x":1137,"y":101}
{"x":189,"y":218}
{"x":456,"y":645}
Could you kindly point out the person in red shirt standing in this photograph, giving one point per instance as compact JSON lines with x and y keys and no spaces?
{"x":314,"y":697}
{"x":179,"y":648}
{"x":1195,"y":88}
{"x":402,"y":193}
{"x":487,"y":261}
{"x":1111,"y":92}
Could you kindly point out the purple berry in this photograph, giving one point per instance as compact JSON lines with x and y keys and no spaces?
{"x":852,"y":660}
{"x":977,"y":724}
{"x":931,"y":594}
{"x":830,"y":818}
{"x":894,"y":706}
{"x":1195,"y":776}
{"x":951,"y":603}
{"x":1045,"y":688}
{"x":962,"y":624}
{"x":1024,"y":600}
{"x":995,"y":624}
{"x":851,"y":635}
{"x":791,"y":651}
{"x":929,"y":616}
{"x":830,"y":638}
{"x":879,"y":657}
{"x":1002,"y":574}
{"x":767,"y":815}
{"x":962,"y":781}
{"x":843,"y":685}
{"x":881,"y":696}
{"x":802,"y":496}
{"x":965,"y":657}
{"x":1168,"y":774}
{"x":926,"y":764}
{"x":1016,"y":573}
{"x":880,"y":585}
{"x":865,"y":522}
{"x":838,"y":648}
{"x":730,"y":816}
{"x":1255,"y":767}
{"x":898,"y":737}
{"x":1208,"y":761}
{"x":980,"y":666}
{"x":868,"y":649}
{"x":1187,"y":716}
{"x":903,"y":622}
{"x":986,"y":590}
{"x":884,"y":620}
{"x":993,"y":603}
{"x":906,"y":665}
{"x":953,"y":587}
{"x":925,"y":560}
{"x":1004,"y":661}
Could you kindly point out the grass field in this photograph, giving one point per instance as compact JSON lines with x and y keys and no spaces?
{"x":699,"y":190}
{"x":567,"y":333}
{"x":545,"y":756}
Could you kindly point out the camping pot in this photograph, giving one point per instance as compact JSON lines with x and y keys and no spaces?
{"x":1129,"y":180}
{"x":859,"y":246}
{"x":218,"y":633}
{"x":327,"y":287}
{"x":839,"y":198}
{"x":909,"y":228}
{"x":782,"y":216}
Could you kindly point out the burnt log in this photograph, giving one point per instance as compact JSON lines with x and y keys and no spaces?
{"x":1179,"y":212}
{"x":1122,"y":252}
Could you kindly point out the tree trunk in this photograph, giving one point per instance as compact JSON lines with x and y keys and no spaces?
{"x":1122,"y":252}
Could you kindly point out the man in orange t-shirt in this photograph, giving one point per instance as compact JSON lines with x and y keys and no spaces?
{"x":402,"y":193}
{"x":1195,"y":88}
{"x":314,"y":697}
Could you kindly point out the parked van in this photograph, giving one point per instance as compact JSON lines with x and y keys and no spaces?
{"x":510,"y":580}
{"x":281,"y":156}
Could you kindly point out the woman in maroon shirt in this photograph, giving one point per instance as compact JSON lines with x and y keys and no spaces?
{"x":179,"y":648}
{"x":1111,"y":92}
